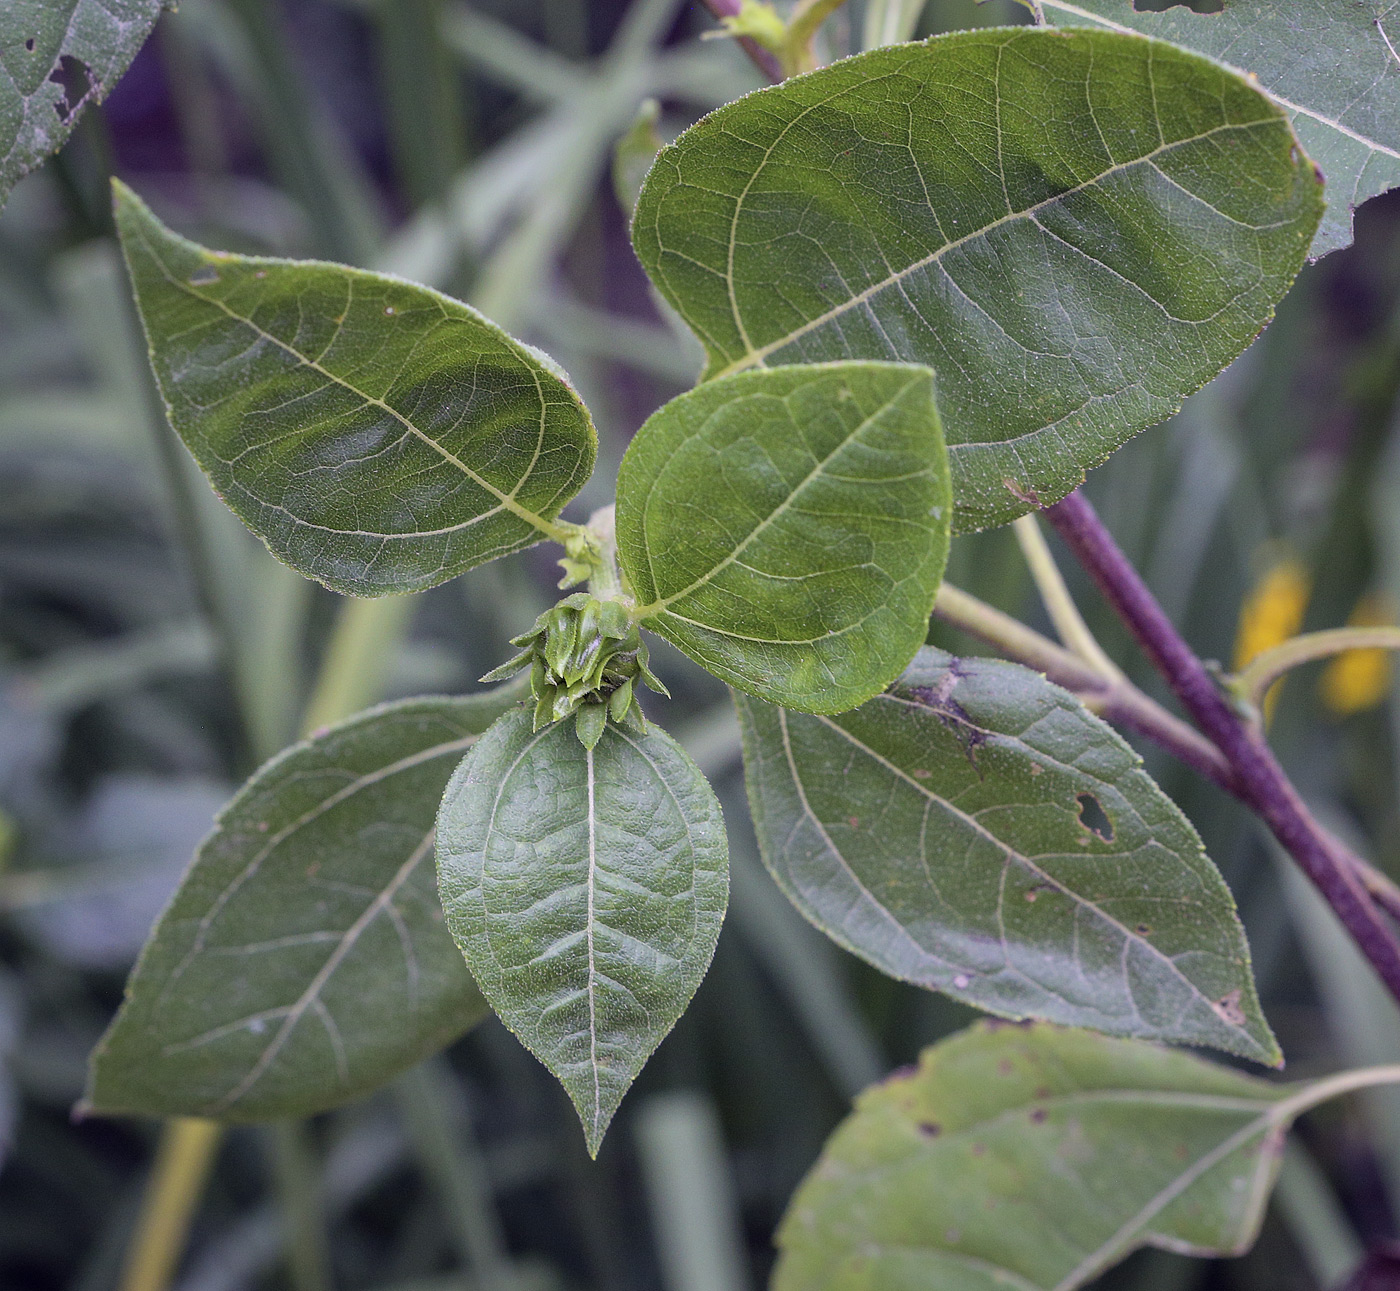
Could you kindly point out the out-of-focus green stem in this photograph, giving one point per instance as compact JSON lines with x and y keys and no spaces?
{"x":1309,"y":1207}
{"x":803,"y":25}
{"x":1263,"y":670}
{"x":451,"y":1159}
{"x":891,"y":22}
{"x":298,"y":1186}
{"x":183,"y":1160}
{"x":358,"y":658}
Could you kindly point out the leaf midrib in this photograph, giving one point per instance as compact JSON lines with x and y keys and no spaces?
{"x":505,"y":501}
{"x":656,"y":606}
{"x":1128,"y":934}
{"x":1287,"y":104}
{"x":358,"y":784}
{"x":756,"y":357}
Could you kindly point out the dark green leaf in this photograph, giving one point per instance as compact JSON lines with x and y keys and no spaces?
{"x":977,"y":831}
{"x":304,"y":959}
{"x":378,"y":436}
{"x":1032,"y":1159}
{"x":1332,"y":66}
{"x":586,"y":888}
{"x":1073,"y":229}
{"x":788,"y":529}
{"x":58,"y":56}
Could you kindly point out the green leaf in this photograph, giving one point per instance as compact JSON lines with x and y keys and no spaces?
{"x":788,"y":529}
{"x":58,"y":56}
{"x":1074,"y":229}
{"x":376,"y":435}
{"x":1333,"y":68}
{"x":586,"y":888}
{"x":304,"y":959}
{"x":1034,"y":1158}
{"x":978,"y":832}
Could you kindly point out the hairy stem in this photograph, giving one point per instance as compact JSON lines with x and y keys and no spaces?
{"x":764,"y":59}
{"x":1263,"y":785}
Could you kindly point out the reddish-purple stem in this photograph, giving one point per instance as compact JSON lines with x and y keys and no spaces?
{"x":764,"y":59}
{"x":1263,"y":784}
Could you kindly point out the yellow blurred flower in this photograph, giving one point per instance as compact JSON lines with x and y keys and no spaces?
{"x":1359,"y":679}
{"x":1271,"y":614}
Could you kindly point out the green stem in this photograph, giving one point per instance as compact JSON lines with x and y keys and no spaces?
{"x":797,"y":54}
{"x":183,"y":1160}
{"x":1255,"y":678}
{"x":891,"y":22}
{"x":298,"y":1185}
{"x":1321,"y":1091}
{"x":357,"y":658}
{"x":1059,"y":604}
{"x":452,"y":1161}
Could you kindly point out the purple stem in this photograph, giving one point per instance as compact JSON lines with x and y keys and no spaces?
{"x":764,"y":59}
{"x":1263,"y":785}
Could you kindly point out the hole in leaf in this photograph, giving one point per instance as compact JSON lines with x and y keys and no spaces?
{"x":71,"y":76}
{"x":1191,"y":6}
{"x":29,"y":44}
{"x":1094,"y":818}
{"x":203,"y":276}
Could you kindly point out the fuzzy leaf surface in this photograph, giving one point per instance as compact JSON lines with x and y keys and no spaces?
{"x":1074,"y":229}
{"x":1033,"y":1158}
{"x":975,"y":830}
{"x":788,"y":529}
{"x":304,"y":960}
{"x":586,"y":889}
{"x":1334,"y":69}
{"x":56,"y":57}
{"x":376,"y":435}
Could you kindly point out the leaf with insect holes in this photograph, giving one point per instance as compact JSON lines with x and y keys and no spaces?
{"x":1034,"y":1158}
{"x":56,"y":58}
{"x":376,"y":435}
{"x":586,"y":888}
{"x":788,"y":529}
{"x":975,"y":830}
{"x":304,"y":959}
{"x":1073,"y":229}
{"x":1333,"y":67}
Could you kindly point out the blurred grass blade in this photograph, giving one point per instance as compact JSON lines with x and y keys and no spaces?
{"x":685,"y":1172}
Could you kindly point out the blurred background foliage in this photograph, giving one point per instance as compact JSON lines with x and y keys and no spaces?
{"x":151,"y":653}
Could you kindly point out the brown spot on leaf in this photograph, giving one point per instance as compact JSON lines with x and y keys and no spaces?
{"x":1037,"y":1116}
{"x":1228,"y":1008}
{"x":930,"y":1129}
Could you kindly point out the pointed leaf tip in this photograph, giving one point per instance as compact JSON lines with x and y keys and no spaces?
{"x":586,"y":889}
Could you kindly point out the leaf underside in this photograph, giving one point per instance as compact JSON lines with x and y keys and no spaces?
{"x":1332,"y":67}
{"x":788,"y":529}
{"x":1074,"y":229}
{"x":1032,"y":1158}
{"x":304,"y":959}
{"x":586,"y":889}
{"x":56,"y":58}
{"x":376,"y":435}
{"x":975,"y":830}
